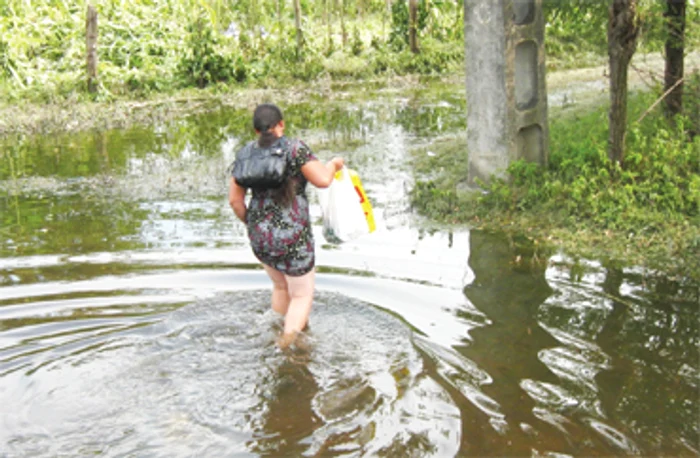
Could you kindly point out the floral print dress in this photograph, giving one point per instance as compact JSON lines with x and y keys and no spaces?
{"x":280,"y":234}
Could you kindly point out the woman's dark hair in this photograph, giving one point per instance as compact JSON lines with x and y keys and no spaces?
{"x":265,"y":117}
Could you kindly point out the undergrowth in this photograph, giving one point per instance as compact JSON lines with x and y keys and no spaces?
{"x":646,"y":212}
{"x":147,"y":48}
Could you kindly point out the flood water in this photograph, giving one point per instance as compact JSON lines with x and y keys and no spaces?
{"x":134,"y":320}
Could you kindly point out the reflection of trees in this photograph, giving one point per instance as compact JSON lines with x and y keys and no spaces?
{"x":289,"y":417}
{"x":613,"y":379}
{"x":632,"y":362}
{"x":509,"y":287}
{"x":652,"y":385}
{"x":72,"y":224}
{"x":89,"y":153}
{"x":340,"y":124}
{"x":425,"y":118}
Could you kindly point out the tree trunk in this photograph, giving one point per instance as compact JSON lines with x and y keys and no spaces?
{"x":326,"y":22}
{"x":343,"y":30}
{"x":328,"y":17}
{"x":91,"y":45}
{"x":253,"y":23}
{"x":622,"y":43}
{"x":297,"y":23}
{"x":413,"y":25}
{"x":386,"y":19}
{"x":675,"y":48}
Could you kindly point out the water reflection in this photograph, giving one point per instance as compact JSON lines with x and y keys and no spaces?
{"x":77,"y":223}
{"x":509,"y":287}
{"x":653,"y":380}
{"x":288,"y":417}
{"x":621,"y":384}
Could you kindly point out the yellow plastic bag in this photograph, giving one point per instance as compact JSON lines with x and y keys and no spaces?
{"x":347,"y":213}
{"x":364,"y":201}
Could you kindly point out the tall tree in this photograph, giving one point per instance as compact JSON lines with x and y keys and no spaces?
{"x":343,"y":30}
{"x":386,"y":18}
{"x":297,"y":23}
{"x":623,"y":29}
{"x":675,"y":48}
{"x":413,"y":25}
{"x":327,"y":18}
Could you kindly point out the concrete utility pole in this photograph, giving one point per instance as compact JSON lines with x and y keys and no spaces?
{"x":506,"y":92}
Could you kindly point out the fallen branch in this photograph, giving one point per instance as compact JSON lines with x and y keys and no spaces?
{"x":663,"y":96}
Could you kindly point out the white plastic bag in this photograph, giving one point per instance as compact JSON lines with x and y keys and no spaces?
{"x":343,"y":215}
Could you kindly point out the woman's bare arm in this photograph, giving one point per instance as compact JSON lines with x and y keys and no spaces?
{"x":236,"y":199}
{"x":320,"y":174}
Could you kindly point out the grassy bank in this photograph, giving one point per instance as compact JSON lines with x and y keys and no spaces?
{"x":645,"y":214}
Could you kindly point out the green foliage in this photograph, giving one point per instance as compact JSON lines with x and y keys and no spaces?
{"x":429,"y":198}
{"x":146,"y":47}
{"x":647,"y":212}
{"x":6,"y":63}
{"x":340,"y":66}
{"x":398,"y":38}
{"x":356,"y":45}
{"x":658,"y":183}
{"x":573,"y":29}
{"x":202,"y":63}
{"x":576,"y":30}
{"x":434,"y":58}
{"x":653,"y":25}
{"x":691,"y":101}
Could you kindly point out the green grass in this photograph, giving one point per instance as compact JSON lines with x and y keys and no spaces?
{"x":147,"y":48}
{"x":646,"y":214}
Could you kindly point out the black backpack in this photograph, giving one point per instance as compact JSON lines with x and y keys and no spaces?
{"x":262,"y":168}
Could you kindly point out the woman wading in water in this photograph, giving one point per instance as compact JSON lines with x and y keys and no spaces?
{"x":278,"y":223}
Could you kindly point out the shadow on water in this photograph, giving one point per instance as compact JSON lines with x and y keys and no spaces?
{"x":134,"y":319}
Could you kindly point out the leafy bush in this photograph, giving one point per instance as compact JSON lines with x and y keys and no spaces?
{"x":645,"y":212}
{"x":691,"y":102}
{"x":658,"y":182}
{"x":340,"y":65}
{"x":202,"y":63}
{"x":7,"y":64}
{"x":434,"y":58}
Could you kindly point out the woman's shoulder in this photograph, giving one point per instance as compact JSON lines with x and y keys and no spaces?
{"x":246,"y":148}
{"x":299,"y":148}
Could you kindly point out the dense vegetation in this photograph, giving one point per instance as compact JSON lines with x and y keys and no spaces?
{"x":146,"y":47}
{"x":646,"y":211}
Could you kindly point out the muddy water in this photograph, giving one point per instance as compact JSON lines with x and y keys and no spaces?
{"x":134,"y":321}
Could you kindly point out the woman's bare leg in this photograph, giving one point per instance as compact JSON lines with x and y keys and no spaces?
{"x":301,"y":294}
{"x":280,"y":290}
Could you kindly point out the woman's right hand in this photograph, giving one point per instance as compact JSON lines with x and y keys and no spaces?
{"x":339,"y":163}
{"x":321,"y":174}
